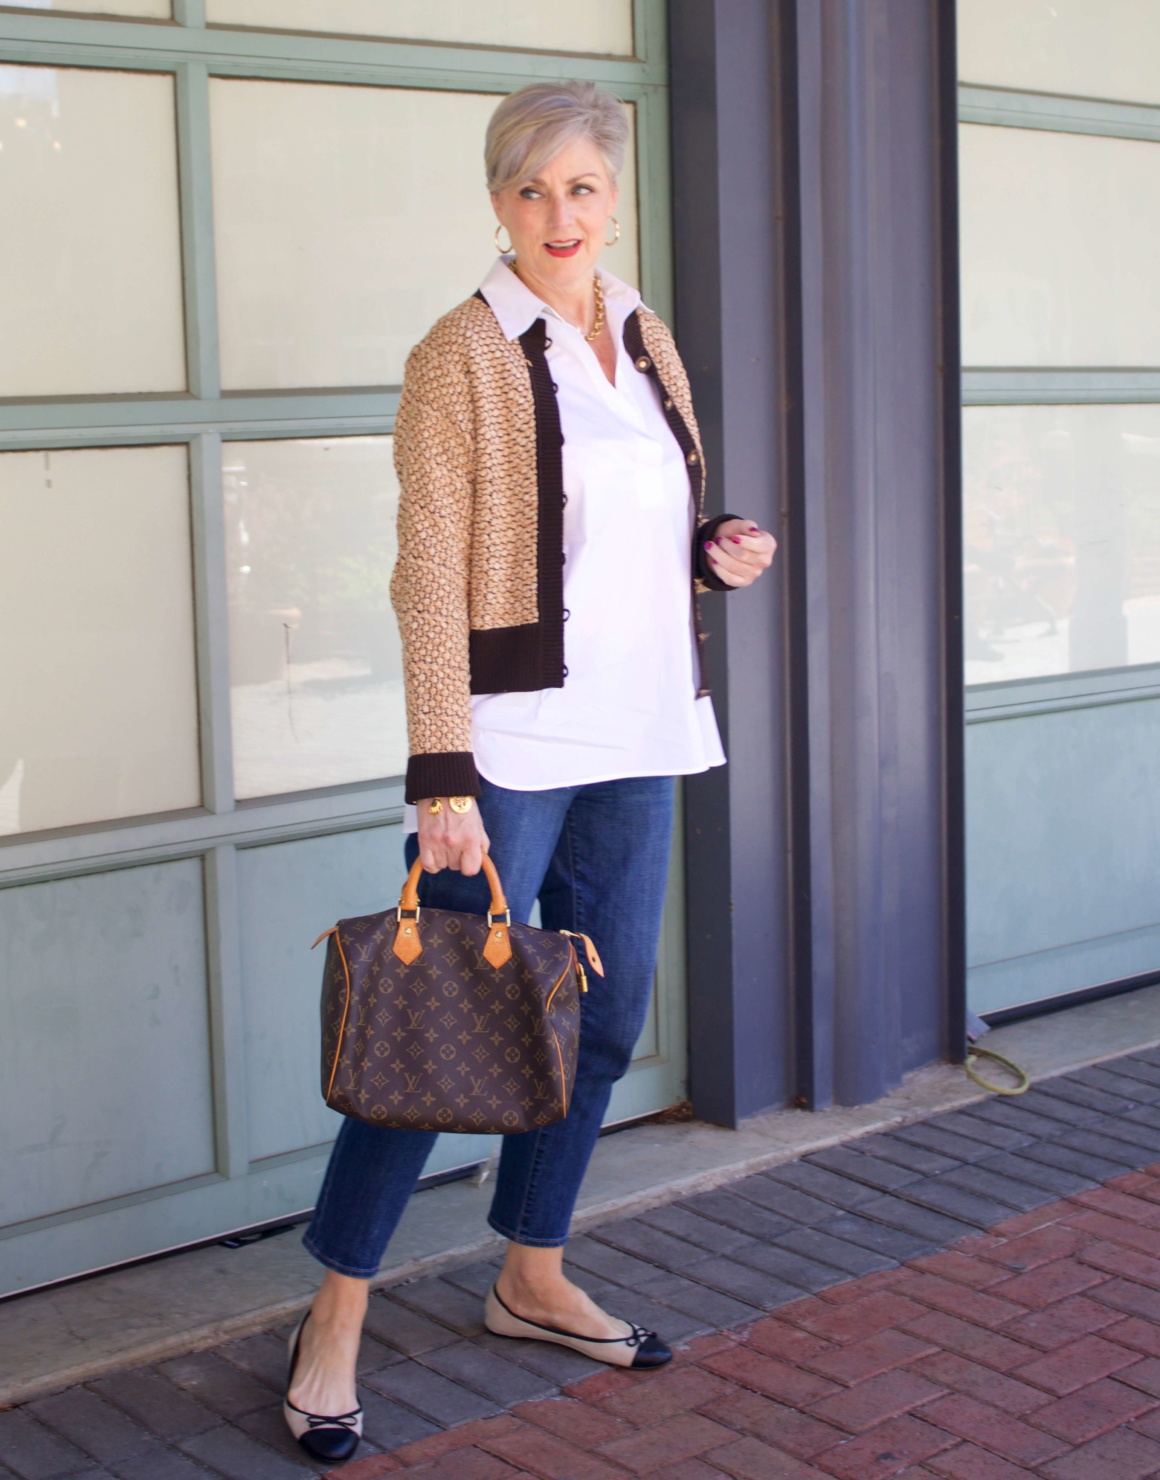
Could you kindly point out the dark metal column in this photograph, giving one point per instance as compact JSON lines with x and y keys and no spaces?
{"x":727,"y":282}
{"x":816,"y":293}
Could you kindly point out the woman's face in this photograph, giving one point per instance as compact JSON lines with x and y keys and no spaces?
{"x":558,"y":219}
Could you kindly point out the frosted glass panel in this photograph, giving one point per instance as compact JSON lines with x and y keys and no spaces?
{"x":99,"y":711}
{"x":90,"y":252}
{"x":283,"y":889}
{"x":314,"y":651}
{"x":1059,"y":248}
{"x":1089,"y":48}
{"x":107,"y":1083}
{"x":1061,"y":539}
{"x":348,"y":219}
{"x":601,"y":26}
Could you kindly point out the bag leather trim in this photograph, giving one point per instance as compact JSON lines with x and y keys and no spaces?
{"x":345,"y":1011}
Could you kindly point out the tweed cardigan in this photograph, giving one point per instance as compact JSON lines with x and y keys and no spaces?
{"x":478,"y":454}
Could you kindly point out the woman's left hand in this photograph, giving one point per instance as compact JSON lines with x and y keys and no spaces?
{"x":739,"y":552}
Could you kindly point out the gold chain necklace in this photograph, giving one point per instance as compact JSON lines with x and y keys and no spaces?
{"x":599,"y":291}
{"x":599,"y":324}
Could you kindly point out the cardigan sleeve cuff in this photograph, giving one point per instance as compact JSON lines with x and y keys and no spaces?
{"x":702,"y":568}
{"x":449,"y":773}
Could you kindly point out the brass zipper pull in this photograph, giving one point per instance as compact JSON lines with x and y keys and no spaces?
{"x":581,"y":979}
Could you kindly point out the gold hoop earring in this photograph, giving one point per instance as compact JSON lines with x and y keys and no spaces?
{"x":616,"y":228}
{"x":503,"y":251}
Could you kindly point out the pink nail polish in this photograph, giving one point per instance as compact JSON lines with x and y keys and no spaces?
{"x":736,"y":538}
{"x":708,"y":544}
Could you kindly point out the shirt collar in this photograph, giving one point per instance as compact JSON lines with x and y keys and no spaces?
{"x":517,"y":308}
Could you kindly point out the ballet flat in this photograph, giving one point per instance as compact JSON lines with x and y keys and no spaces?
{"x":640,"y":1348}
{"x":328,"y":1438}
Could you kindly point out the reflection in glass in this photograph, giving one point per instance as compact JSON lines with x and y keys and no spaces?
{"x":1058,"y":248}
{"x":90,"y":253}
{"x":1094,"y":50}
{"x":598,"y":26}
{"x":348,"y":219}
{"x":1061,"y":538}
{"x":98,"y":716}
{"x":315,"y":667}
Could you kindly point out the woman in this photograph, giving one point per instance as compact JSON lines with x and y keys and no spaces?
{"x":550,"y":547}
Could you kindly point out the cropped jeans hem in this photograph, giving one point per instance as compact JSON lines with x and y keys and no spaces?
{"x":523,"y":1239}
{"x":333,"y":1264}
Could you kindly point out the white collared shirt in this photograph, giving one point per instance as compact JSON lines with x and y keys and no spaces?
{"x":629,"y":703}
{"x":628,"y":706}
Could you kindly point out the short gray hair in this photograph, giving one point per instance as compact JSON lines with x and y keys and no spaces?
{"x":530,"y":127}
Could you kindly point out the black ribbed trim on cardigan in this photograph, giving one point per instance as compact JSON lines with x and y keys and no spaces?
{"x":508,"y":660}
{"x":702,"y":529}
{"x":448,"y":773}
{"x":529,"y":657}
{"x":549,"y":519}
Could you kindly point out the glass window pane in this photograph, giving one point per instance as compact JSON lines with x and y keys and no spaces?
{"x":1087,"y":48}
{"x":599,"y":26}
{"x":348,"y":219}
{"x":99,"y":715}
{"x":1058,"y":248}
{"x":90,"y":250}
{"x":1061,"y":539}
{"x":315,"y":662}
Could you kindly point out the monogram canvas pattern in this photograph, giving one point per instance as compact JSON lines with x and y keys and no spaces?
{"x":465,"y":452}
{"x":449,"y":1043}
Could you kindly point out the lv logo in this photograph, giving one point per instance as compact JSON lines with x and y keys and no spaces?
{"x":412,"y":1083}
{"x":478,"y":1086}
{"x":415,"y":1017}
{"x":541,"y":1088}
{"x":481,"y":1021}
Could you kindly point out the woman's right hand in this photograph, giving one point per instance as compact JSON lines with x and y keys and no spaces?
{"x":450,"y":839}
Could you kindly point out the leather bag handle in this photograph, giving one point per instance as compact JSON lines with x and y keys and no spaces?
{"x":409,"y":899}
{"x":408,"y":947}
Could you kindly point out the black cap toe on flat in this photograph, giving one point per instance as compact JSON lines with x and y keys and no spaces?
{"x":652,"y":1352}
{"x":329,"y":1443}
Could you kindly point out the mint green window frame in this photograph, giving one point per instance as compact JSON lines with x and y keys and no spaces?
{"x":202,"y":418}
{"x":1001,"y":749}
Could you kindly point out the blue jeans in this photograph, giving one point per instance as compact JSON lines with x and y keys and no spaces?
{"x":597,"y":859}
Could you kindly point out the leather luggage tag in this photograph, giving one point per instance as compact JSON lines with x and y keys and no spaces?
{"x":589,"y":950}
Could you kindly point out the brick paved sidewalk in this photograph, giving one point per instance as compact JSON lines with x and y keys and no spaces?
{"x":846,"y":1234}
{"x":1033,"y":1349}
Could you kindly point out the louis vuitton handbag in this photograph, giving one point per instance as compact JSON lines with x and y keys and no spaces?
{"x":438,"y":1020}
